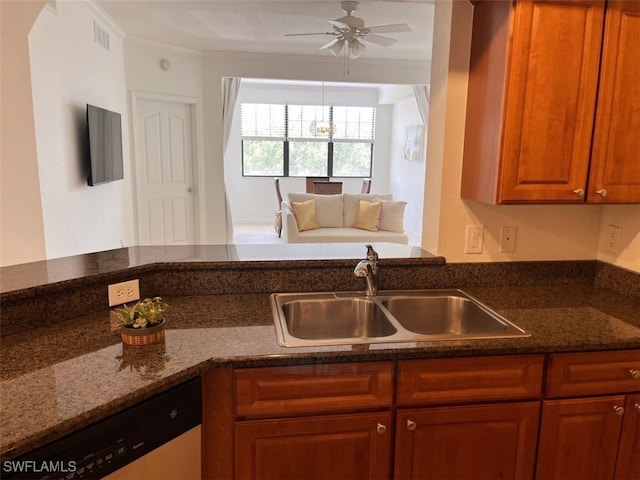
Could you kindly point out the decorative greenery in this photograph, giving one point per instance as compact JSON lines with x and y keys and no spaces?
{"x":144,"y":314}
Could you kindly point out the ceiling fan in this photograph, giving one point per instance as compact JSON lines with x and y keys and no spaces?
{"x":350,"y":31}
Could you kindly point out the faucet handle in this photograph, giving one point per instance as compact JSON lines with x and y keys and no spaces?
{"x":372,"y":256}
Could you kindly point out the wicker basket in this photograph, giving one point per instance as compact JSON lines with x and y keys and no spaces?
{"x":143,"y":336}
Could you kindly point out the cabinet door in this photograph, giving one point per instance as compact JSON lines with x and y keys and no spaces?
{"x":481,"y":441}
{"x":550,"y":100}
{"x":628,"y":465}
{"x":324,"y":447}
{"x":579,"y":438}
{"x":615,"y":162}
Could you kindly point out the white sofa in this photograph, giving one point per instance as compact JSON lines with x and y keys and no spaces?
{"x":336,"y":215}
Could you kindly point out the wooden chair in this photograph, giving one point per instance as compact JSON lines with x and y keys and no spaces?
{"x":366,"y":185}
{"x":327,"y":188}
{"x":278,"y":220}
{"x":310,"y":181}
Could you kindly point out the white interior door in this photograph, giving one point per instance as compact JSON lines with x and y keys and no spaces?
{"x":164,"y":173}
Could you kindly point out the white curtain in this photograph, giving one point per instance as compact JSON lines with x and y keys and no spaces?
{"x":230,"y":88}
{"x":421,"y":92}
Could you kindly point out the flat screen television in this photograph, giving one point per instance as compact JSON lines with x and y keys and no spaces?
{"x":105,"y":145}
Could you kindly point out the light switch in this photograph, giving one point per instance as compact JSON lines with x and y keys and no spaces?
{"x":474,"y":240}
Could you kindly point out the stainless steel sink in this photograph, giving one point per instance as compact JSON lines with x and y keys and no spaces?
{"x":442,"y":314}
{"x":306,"y":319}
{"x":327,"y":318}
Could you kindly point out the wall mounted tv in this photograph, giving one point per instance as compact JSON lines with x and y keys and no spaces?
{"x":105,"y":145}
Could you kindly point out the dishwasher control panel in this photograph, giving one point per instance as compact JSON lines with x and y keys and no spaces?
{"x":106,"y":446}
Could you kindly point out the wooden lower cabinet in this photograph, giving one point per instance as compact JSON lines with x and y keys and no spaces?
{"x":579,"y":438}
{"x":323,"y":447}
{"x":628,"y":463}
{"x":477,"y":441}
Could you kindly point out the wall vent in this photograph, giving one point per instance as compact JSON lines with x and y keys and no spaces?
{"x":53,"y":6}
{"x":100,"y":35}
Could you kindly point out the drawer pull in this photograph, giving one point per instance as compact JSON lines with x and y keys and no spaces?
{"x":635,"y":374}
{"x":411,"y":425}
{"x":618,"y":410}
{"x":381,"y":428}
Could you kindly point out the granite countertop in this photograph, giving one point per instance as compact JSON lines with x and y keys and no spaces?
{"x":60,"y":377}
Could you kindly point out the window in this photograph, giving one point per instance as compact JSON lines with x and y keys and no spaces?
{"x":306,"y":140}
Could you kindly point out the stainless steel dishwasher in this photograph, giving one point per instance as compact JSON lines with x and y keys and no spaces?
{"x":158,"y":438}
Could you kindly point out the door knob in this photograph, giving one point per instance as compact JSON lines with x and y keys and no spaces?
{"x":579,"y":192}
{"x":618,"y":410}
{"x":411,"y":425}
{"x":191,"y":190}
{"x":602,"y":192}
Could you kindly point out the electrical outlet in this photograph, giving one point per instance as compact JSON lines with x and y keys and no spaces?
{"x":124,"y":292}
{"x":474,"y":239}
{"x":508,"y":239}
{"x":613,"y":235}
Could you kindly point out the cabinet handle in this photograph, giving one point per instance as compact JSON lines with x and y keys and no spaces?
{"x":381,"y":428}
{"x":635,"y":374}
{"x":637,"y":407}
{"x":411,"y":425}
{"x":602,"y":192}
{"x":618,"y":410}
{"x":579,"y":192}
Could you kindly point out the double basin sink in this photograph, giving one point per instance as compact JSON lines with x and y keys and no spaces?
{"x":344,"y":318}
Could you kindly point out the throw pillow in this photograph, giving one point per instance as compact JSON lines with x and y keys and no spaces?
{"x":328,"y":208}
{"x":351,"y":204}
{"x":392,"y":216}
{"x":368,"y":215}
{"x":305,"y":213}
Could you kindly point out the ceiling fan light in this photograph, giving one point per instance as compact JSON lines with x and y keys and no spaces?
{"x":336,"y":48}
{"x":356,"y":48}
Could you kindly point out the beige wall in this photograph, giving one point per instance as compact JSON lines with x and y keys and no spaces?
{"x":21,"y":227}
{"x":544,"y":232}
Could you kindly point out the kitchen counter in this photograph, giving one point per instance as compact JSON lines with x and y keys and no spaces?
{"x":59,"y":377}
{"x":71,"y":374}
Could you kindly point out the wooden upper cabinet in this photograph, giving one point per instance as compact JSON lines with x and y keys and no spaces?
{"x":533,"y":84}
{"x":615,"y":161}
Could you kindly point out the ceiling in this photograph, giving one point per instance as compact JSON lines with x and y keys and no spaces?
{"x":259,"y":26}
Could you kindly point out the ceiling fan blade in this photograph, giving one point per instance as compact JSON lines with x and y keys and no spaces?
{"x":393,"y":28}
{"x":329,"y":43}
{"x":339,"y":25}
{"x":300,"y":34}
{"x":380,"y":40}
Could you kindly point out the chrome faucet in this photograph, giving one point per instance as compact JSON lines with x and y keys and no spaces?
{"x":368,"y":268}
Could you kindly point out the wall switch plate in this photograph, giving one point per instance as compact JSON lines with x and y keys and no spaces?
{"x":507,"y":239}
{"x":613,"y":236}
{"x":124,"y":292}
{"x":474,"y":239}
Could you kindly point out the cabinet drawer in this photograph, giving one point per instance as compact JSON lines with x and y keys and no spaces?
{"x":452,"y":380}
{"x":593,"y":373}
{"x":291,"y":390}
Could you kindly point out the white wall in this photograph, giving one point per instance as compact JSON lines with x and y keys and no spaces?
{"x":407,"y":176}
{"x":69,"y":70}
{"x":253,"y":199}
{"x":545,"y":232}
